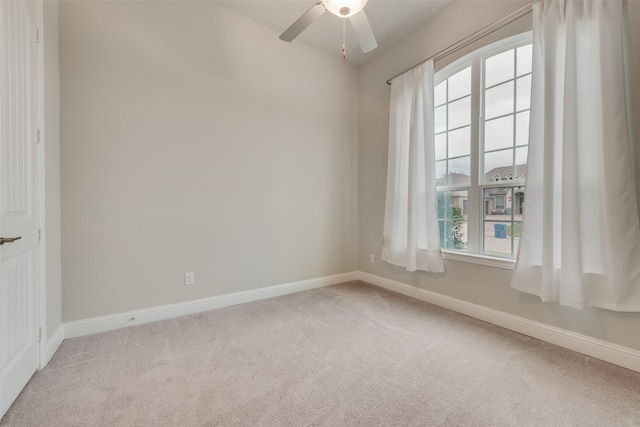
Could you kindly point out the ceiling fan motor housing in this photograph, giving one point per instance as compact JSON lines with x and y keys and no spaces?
{"x":344,"y":8}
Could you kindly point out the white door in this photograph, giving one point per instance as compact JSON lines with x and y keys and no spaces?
{"x":18,"y":198}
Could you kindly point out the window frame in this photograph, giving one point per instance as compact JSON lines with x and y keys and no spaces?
{"x":474,"y":252}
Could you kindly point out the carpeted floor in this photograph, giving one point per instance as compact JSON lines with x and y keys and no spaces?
{"x":344,"y":355}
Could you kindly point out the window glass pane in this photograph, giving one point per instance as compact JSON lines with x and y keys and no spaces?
{"x":460,"y":171}
{"x":497,"y":201}
{"x":460,"y":113}
{"x":444,"y":204}
{"x":440,"y":118}
{"x":460,"y":84}
{"x":440,"y":93}
{"x":500,"y":229}
{"x":497,"y":237}
{"x":441,"y":172}
{"x":460,"y":142}
{"x":498,"y":133}
{"x":498,"y":100}
{"x":499,"y":68}
{"x":522,"y":128}
{"x":441,"y":146}
{"x":452,"y":219}
{"x":498,"y":165}
{"x":521,"y":162}
{"x":523,"y":93}
{"x":517,"y":231}
{"x":524,"y":59}
{"x":518,"y":204}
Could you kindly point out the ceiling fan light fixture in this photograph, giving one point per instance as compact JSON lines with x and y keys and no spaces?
{"x":344,"y":8}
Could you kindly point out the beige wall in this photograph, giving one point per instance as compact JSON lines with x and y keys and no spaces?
{"x":477,"y":284}
{"x":195,"y":140}
{"x":51,"y":140}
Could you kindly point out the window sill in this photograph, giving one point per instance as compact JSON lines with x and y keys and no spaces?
{"x":506,"y":263}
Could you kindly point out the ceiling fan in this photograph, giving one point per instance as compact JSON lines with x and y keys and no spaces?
{"x":352,"y":9}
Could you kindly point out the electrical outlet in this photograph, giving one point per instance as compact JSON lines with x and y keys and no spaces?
{"x":372,"y":259}
{"x":189,"y":278}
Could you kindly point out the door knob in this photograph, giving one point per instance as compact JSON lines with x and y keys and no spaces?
{"x":4,"y":240}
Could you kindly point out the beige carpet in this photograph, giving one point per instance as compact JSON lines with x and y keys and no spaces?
{"x":345,"y":355}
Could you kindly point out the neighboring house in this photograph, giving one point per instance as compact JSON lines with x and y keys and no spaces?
{"x":498,"y":201}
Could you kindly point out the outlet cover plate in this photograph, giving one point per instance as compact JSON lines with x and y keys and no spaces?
{"x":189,"y":278}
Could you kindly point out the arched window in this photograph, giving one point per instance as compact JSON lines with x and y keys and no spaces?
{"x":481,"y":135}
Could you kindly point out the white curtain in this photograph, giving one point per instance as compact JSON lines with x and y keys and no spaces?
{"x":411,"y":237}
{"x":580,"y":242}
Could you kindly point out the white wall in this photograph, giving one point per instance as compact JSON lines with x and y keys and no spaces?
{"x":195,"y":140}
{"x":482,"y":285}
{"x":51,"y":140}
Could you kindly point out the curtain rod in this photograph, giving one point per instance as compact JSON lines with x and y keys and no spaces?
{"x":524,"y":10}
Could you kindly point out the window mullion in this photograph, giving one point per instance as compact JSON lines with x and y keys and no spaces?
{"x":475,"y":216}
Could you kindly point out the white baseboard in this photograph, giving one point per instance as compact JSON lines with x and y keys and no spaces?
{"x":599,"y":349}
{"x":120,"y":320}
{"x":53,"y":344}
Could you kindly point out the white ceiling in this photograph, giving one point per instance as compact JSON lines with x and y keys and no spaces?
{"x":390,"y":21}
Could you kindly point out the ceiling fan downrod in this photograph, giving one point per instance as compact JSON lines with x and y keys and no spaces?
{"x":344,"y":39}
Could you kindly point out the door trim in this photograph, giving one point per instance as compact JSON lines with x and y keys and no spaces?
{"x":41,"y":263}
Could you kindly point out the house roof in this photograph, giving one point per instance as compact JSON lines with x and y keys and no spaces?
{"x":458,"y":178}
{"x":504,"y":173}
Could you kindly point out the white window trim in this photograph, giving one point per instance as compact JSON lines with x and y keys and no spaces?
{"x":475,"y":189}
{"x":488,"y":260}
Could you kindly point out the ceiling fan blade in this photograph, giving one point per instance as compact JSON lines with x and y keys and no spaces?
{"x":363,"y":31}
{"x":315,"y":12}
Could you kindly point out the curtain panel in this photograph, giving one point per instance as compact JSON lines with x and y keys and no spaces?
{"x":580,"y":243}
{"x":411,"y":236}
